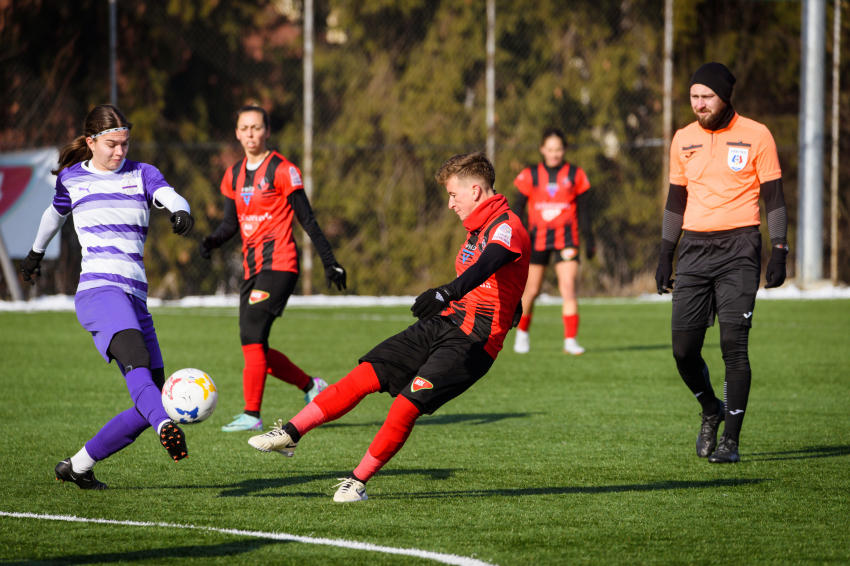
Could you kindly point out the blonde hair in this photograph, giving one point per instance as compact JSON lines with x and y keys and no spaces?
{"x":468,"y":166}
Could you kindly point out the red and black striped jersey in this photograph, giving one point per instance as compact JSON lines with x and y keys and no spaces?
{"x":265,"y":215}
{"x":552,"y":221}
{"x":486,"y":312}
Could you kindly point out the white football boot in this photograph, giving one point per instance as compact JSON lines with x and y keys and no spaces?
{"x":572,"y":347}
{"x":350,"y":490}
{"x":276,"y":440}
{"x":521,"y":342}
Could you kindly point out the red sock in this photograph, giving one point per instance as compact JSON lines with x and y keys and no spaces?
{"x":342,"y":396}
{"x":309,"y":418}
{"x":389,"y":440}
{"x":570,"y":325}
{"x":254,"y":375}
{"x":524,"y":322}
{"x":282,"y":368}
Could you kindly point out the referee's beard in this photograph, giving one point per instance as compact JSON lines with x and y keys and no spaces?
{"x":710,"y":120}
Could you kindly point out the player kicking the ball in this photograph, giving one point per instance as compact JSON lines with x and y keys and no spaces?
{"x":110,"y":198}
{"x":439,"y":357}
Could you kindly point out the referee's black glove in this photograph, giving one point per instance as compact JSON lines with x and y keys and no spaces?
{"x":335,"y":275}
{"x":431,"y":303}
{"x":31,"y":265}
{"x":663,"y":273}
{"x":182,"y":223}
{"x":207,"y":245}
{"x":775,"y":273}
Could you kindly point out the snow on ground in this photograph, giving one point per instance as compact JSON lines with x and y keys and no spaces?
{"x":66,"y":303}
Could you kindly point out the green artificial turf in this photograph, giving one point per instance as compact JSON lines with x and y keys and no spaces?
{"x":549,"y":459}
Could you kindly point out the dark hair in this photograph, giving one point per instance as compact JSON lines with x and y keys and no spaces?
{"x":556,"y":132}
{"x":103,"y":117}
{"x":465,"y":166}
{"x":254,"y":108}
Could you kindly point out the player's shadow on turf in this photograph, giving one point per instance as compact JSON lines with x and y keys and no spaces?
{"x":472,"y":418}
{"x":658,"y":486}
{"x":253,"y":487}
{"x":644,"y":347}
{"x":169,"y":554}
{"x":804,"y":453}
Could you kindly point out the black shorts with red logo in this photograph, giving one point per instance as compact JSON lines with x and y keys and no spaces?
{"x":717,"y":274}
{"x":541,"y":257}
{"x":267,"y":291}
{"x":430,"y":363}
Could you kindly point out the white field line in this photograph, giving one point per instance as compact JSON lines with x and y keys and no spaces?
{"x":436,"y":556}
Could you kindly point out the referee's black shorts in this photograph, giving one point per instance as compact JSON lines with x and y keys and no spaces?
{"x":717,"y":275}
{"x":430,"y":363}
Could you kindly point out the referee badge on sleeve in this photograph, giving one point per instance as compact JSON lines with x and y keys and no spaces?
{"x":737,"y":158}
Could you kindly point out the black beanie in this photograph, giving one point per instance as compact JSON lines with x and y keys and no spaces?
{"x":716,"y":77}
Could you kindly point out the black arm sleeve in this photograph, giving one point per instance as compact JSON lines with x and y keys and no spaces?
{"x":777,"y":215}
{"x":674,"y":217}
{"x":583,"y":212}
{"x":492,"y":258}
{"x":520,"y":203}
{"x":229,"y":224}
{"x":299,"y":203}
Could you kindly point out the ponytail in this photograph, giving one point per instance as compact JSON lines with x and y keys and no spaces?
{"x":103,"y":117}
{"x":73,"y":153}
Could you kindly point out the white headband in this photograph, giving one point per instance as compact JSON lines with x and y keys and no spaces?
{"x":121,"y":129}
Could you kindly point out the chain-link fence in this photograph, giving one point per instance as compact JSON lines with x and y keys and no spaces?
{"x":399,"y":88}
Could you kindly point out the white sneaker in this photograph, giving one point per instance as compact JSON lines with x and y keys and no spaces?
{"x":319,"y":385}
{"x":572,"y":347}
{"x":521,"y":343}
{"x":350,"y":490}
{"x":276,"y":440}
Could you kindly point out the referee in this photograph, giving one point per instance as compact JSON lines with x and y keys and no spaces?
{"x":719,"y":166}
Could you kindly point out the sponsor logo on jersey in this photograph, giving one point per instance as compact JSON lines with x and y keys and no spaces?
{"x":420,"y":383}
{"x":549,"y":211}
{"x":250,"y":222}
{"x":552,"y":189}
{"x":465,"y":255}
{"x":263,"y":184}
{"x":257,"y":296}
{"x":247,"y":193}
{"x":295,"y":177}
{"x":737,"y":158}
{"x":503,"y":233}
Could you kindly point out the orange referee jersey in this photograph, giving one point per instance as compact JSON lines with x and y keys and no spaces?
{"x":723,"y":171}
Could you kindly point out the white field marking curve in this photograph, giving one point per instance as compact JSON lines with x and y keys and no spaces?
{"x":436,"y":556}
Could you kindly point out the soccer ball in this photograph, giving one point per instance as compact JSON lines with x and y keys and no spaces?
{"x":189,"y":396}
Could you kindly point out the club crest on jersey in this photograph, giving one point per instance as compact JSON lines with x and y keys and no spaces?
{"x":257,"y":296}
{"x":247,"y":193}
{"x":128,"y":184}
{"x":737,"y":158}
{"x":503,"y":234}
{"x":263,"y":184}
{"x":552,"y":189}
{"x":420,"y":383}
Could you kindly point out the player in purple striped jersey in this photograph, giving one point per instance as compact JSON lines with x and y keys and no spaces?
{"x":110,"y":198}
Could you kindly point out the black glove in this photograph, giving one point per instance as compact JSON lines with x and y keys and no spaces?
{"x":207,"y":245}
{"x":335,"y":274}
{"x":182,"y":223}
{"x":663,"y":273}
{"x":517,"y":315}
{"x":775,"y":273}
{"x":32,"y":264}
{"x":431,"y":303}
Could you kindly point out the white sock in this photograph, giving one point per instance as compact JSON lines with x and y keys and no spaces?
{"x":162,"y":424}
{"x":81,"y":462}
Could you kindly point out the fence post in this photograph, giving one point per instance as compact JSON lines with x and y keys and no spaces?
{"x":307,"y":256}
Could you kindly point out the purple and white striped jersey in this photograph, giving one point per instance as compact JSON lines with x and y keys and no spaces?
{"x":111,"y":213}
